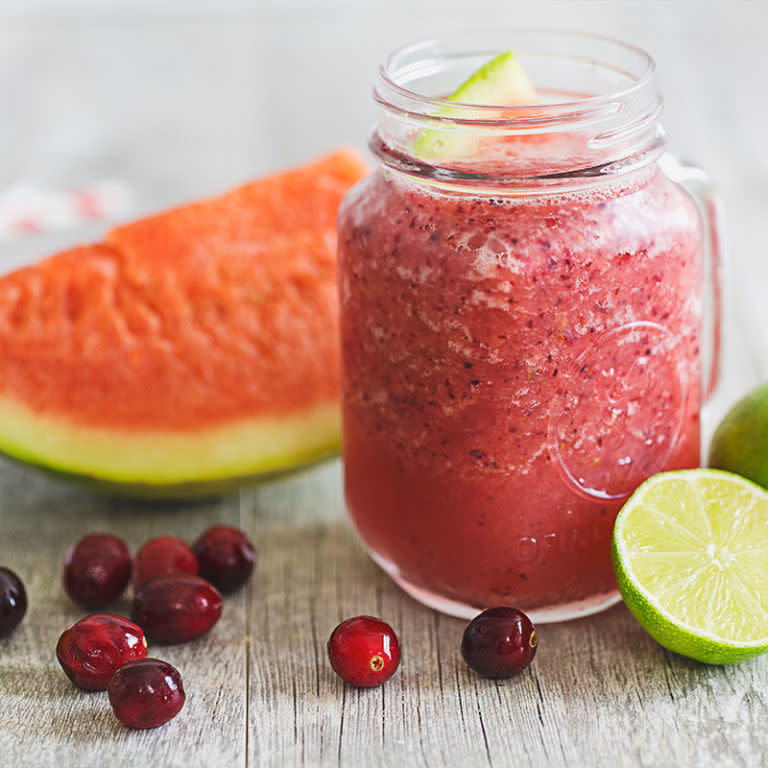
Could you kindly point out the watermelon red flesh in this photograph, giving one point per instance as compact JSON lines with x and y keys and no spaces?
{"x":117,"y":341}
{"x":217,"y":316}
{"x":301,"y":199}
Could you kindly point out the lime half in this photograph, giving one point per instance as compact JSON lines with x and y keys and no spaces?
{"x":690,"y":552}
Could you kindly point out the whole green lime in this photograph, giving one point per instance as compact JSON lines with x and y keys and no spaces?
{"x":740,"y":443}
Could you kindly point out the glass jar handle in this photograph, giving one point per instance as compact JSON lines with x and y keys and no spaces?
{"x":701,"y":188}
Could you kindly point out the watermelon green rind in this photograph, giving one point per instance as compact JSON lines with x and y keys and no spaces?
{"x":192,"y":490}
{"x":174,"y":465}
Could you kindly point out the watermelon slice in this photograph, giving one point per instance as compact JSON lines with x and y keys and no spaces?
{"x":188,"y":352}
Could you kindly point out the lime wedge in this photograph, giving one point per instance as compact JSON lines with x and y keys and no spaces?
{"x":500,"y":82}
{"x":690,"y":553}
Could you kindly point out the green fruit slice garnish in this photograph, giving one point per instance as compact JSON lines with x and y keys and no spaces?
{"x":500,"y":82}
{"x":740,"y":443}
{"x":690,"y":553}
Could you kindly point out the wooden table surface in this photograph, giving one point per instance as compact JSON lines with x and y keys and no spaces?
{"x":180,"y":101}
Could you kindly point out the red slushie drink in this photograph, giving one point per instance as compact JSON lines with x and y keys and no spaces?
{"x":521,"y":330}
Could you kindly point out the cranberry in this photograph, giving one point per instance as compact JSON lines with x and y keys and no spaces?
{"x":500,"y":642}
{"x":364,"y":651}
{"x":146,"y":693}
{"x":174,"y":609}
{"x":162,"y":556}
{"x":13,"y":601}
{"x":94,"y":647}
{"x":96,"y":570}
{"x":226,"y":557}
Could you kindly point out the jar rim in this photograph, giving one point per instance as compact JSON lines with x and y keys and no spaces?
{"x":585,"y":104}
{"x":598,"y":114}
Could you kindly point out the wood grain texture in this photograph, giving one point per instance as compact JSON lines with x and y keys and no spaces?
{"x":600,"y":691}
{"x":182,"y":102}
{"x":44,"y":720}
{"x":261,"y":692}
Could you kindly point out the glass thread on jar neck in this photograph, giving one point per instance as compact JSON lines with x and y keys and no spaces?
{"x":599,"y":115}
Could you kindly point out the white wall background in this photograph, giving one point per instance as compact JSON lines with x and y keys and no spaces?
{"x":181,"y":98}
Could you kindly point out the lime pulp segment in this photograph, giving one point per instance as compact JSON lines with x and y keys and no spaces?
{"x":690,"y":551}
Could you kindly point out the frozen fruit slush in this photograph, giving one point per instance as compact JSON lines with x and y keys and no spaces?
{"x":513,"y":367}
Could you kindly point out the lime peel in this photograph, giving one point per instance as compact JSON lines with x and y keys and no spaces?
{"x":740,"y":443}
{"x":690,"y":555}
{"x":502,"y":81}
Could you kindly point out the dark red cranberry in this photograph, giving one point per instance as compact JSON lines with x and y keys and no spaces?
{"x":162,"y":556}
{"x":174,"y":609}
{"x":500,"y":642}
{"x":13,"y":601}
{"x":93,"y":648}
{"x":96,"y":570}
{"x":225,"y":556}
{"x":146,"y":693}
{"x":364,"y":651}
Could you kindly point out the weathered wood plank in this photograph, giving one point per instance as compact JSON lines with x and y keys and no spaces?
{"x":44,"y":720}
{"x":600,"y":692}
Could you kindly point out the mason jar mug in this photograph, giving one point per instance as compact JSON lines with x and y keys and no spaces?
{"x":522,"y":294}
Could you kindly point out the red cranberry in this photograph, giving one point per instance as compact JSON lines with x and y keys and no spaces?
{"x":94,"y":647}
{"x":364,"y":651}
{"x":146,"y":693}
{"x":162,"y":556}
{"x":174,"y":609}
{"x":500,"y":642}
{"x":96,"y":570}
{"x":226,"y":557}
{"x":13,"y":601}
